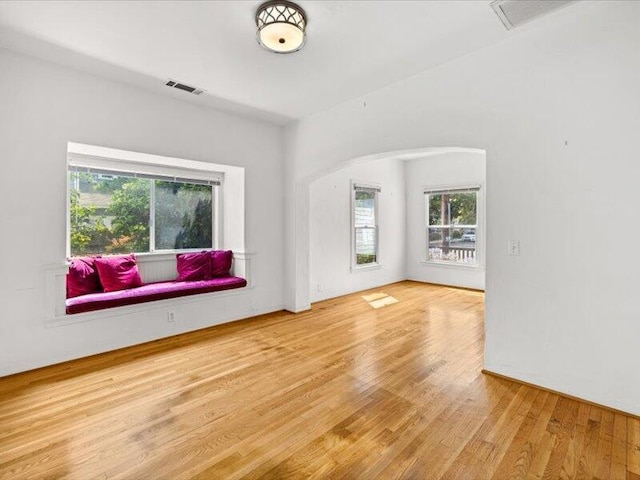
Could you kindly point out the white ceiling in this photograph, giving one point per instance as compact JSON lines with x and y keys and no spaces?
{"x":353,"y":47}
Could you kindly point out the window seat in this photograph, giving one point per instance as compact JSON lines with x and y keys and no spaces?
{"x":150,"y":292}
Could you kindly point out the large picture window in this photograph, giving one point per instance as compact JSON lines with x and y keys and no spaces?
{"x":120,"y":212}
{"x":452,"y":225}
{"x":365,"y":225}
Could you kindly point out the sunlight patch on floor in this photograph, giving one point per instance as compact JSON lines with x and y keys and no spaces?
{"x":374,"y":296}
{"x":378,"y":300}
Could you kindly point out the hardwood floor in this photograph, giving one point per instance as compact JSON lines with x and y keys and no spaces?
{"x":344,"y":391}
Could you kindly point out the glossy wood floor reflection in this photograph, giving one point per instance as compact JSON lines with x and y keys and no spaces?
{"x":346,"y":391}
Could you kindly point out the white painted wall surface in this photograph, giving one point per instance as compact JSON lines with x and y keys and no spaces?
{"x":44,"y":106}
{"x":557,"y":108}
{"x":438,"y":170}
{"x":330,"y":207}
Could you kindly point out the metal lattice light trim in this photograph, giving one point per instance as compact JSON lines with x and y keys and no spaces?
{"x":281,"y":26}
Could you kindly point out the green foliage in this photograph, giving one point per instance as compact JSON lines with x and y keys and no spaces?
{"x":115,"y":215}
{"x":461,"y":207}
{"x":88,"y":233}
{"x":196,"y":231}
{"x":365,"y":258}
{"x":130,"y":207}
{"x":365,"y":196}
{"x":183,"y":215}
{"x":435,"y":210}
{"x":111,"y":185}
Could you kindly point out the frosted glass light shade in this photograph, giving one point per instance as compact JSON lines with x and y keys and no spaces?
{"x":281,"y":26}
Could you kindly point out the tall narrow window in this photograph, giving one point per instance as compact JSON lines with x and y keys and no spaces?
{"x":114,"y":211}
{"x":365,"y":225}
{"x":452,"y":225}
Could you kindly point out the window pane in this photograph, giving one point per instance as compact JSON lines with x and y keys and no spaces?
{"x":365,"y":214}
{"x":108,"y":214}
{"x":365,"y":246}
{"x":130,"y":209}
{"x":456,"y":245}
{"x":183,"y":215}
{"x":435,"y":210}
{"x":463,"y":208}
{"x":452,"y":209}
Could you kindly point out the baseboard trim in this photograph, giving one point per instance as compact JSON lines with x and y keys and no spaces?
{"x":339,"y":295}
{"x":561,"y":394}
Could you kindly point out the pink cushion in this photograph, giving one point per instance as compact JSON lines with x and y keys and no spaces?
{"x":82,"y":277}
{"x":118,"y":272}
{"x":221,"y":263}
{"x":193,"y":266}
{"x":150,"y":292}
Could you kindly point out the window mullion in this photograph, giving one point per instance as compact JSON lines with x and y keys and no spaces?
{"x":152,"y":216}
{"x":215,"y":227}
{"x":376,"y":232}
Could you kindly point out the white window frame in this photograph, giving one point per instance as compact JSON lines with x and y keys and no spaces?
{"x":100,"y":159}
{"x":479,"y":227}
{"x":357,"y":185}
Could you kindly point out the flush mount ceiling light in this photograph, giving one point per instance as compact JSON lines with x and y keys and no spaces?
{"x":281,"y":26}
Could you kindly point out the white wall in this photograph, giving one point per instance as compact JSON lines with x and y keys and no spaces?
{"x":557,"y":108}
{"x":437,"y":170}
{"x":44,"y":106}
{"x":330,"y":206}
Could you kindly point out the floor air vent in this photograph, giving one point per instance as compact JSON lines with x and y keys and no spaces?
{"x":182,"y":86}
{"x":514,"y":13}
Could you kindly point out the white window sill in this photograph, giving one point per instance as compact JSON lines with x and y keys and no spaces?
{"x":163,"y":254}
{"x":145,"y":256}
{"x":431,"y":263}
{"x":364,"y":268}
{"x":166,"y":254}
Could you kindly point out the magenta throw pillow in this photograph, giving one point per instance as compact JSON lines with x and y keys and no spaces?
{"x":82,"y":277}
{"x":193,"y":266}
{"x":221,"y":263}
{"x":118,"y":272}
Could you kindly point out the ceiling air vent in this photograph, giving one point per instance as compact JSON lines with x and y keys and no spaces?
{"x":182,"y":86}
{"x":514,"y":13}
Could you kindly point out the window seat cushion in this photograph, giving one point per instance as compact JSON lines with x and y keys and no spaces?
{"x":150,"y":292}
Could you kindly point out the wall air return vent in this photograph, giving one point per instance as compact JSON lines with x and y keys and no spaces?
{"x":514,"y":13}
{"x":182,"y":86}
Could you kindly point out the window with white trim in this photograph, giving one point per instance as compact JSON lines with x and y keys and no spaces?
{"x":365,"y":225}
{"x":452,"y":225}
{"x":123,"y":207}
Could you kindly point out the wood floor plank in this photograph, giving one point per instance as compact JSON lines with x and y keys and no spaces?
{"x":633,"y":446}
{"x":514,"y":461}
{"x":571,"y":468}
{"x":562,"y":425}
{"x":619,"y":449}
{"x":342,"y":391}
{"x":605,"y":446}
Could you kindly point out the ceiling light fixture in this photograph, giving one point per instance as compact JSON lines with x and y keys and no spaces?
{"x":281,"y":26}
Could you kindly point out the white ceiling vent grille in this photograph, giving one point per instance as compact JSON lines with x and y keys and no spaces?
{"x":182,"y":86}
{"x":514,"y":13}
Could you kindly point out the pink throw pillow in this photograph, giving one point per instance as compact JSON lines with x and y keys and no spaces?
{"x":82,"y":277}
{"x":118,"y":272}
{"x":221,"y":262}
{"x":193,"y":266}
